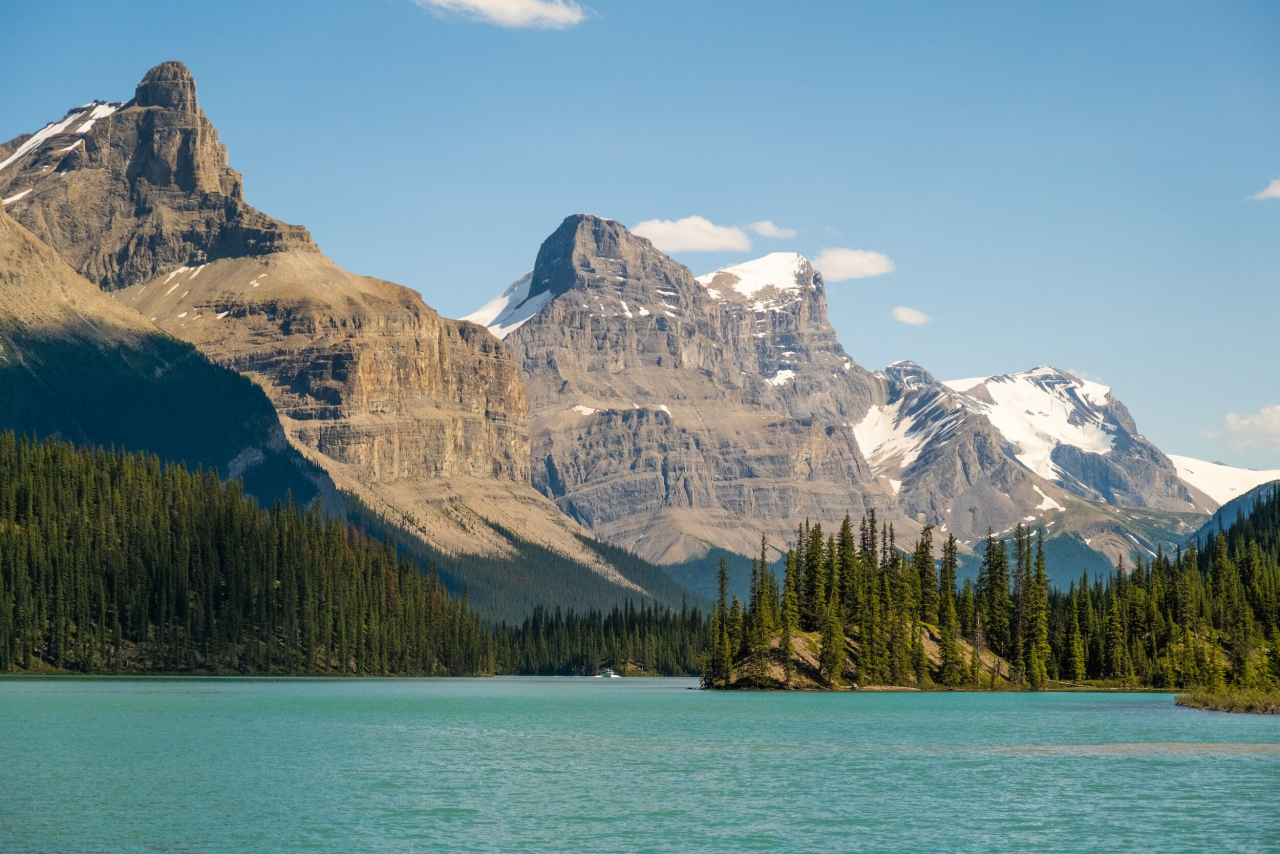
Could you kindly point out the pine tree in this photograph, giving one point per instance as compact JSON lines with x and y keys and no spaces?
{"x":993,"y":599}
{"x":1075,"y":657}
{"x":927,"y":580}
{"x":1038,"y":650}
{"x":832,"y":652}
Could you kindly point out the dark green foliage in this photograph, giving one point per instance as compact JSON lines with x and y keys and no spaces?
{"x":628,"y":639}
{"x":110,"y":562}
{"x":1208,"y":616}
{"x":162,"y":396}
{"x":1198,"y":618}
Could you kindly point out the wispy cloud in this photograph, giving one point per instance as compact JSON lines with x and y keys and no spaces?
{"x":1271,"y":192}
{"x":535,"y":14}
{"x":837,"y":265}
{"x":693,"y":234}
{"x":765,"y":228}
{"x":910,"y":316}
{"x":1259,"y":430}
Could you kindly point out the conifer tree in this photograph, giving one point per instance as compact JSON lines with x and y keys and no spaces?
{"x":1038,"y":649}
{"x":1075,"y":658}
{"x":994,"y":601}
{"x":927,"y":581}
{"x":831,"y":654}
{"x":951,"y":665}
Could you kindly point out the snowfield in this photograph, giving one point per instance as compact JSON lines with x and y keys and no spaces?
{"x":1220,"y":482}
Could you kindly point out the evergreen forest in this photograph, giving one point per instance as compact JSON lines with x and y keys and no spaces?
{"x":854,"y":607}
{"x":111,"y":562}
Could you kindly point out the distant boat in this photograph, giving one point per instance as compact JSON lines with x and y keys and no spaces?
{"x":608,"y":674}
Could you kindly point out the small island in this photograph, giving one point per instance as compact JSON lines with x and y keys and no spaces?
{"x":853,"y":611}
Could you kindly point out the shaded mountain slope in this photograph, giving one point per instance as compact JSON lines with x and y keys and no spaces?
{"x":76,"y":364}
{"x":422,"y":417}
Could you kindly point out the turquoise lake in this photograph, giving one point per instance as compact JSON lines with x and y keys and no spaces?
{"x":634,"y":765}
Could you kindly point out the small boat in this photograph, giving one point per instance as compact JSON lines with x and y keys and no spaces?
{"x":608,"y":674}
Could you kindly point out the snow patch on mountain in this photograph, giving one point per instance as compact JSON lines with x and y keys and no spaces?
{"x":1038,"y":410}
{"x":783,"y":376}
{"x":1048,"y":503}
{"x":1220,"y":482}
{"x":511,"y":309}
{"x":785,"y":271}
{"x":91,"y":112}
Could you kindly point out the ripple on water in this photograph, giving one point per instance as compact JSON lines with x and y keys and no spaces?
{"x":510,"y":765}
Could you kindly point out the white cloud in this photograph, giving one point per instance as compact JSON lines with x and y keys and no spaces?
{"x":1260,"y":430}
{"x":910,"y":316}
{"x":538,"y":14}
{"x":765,"y":228}
{"x":837,"y":265}
{"x":1271,"y":192}
{"x":693,"y":234}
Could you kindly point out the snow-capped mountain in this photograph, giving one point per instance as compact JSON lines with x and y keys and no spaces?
{"x":670,"y":414}
{"x":770,"y":283}
{"x":512,"y":308}
{"x":1075,"y":433}
{"x":749,"y":373}
{"x":1219,"y":481}
{"x":1041,"y":410}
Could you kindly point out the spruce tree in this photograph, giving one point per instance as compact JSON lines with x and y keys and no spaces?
{"x":926,"y":578}
{"x":832,"y":651}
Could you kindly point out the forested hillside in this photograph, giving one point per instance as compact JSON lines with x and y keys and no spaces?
{"x":111,"y":562}
{"x":854,"y":607}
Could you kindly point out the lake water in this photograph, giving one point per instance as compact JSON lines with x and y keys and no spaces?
{"x":627,"y":765}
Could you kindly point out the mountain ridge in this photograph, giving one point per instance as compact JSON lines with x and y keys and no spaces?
{"x":1040,"y":446}
{"x":423,"y":418}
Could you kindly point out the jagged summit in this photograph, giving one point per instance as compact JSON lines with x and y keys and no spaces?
{"x":600,"y":260}
{"x":1043,"y":409}
{"x":668,"y":419}
{"x":909,"y":375}
{"x":128,"y":191}
{"x":169,"y":85}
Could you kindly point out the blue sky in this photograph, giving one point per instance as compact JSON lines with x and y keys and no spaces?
{"x":1065,"y":184}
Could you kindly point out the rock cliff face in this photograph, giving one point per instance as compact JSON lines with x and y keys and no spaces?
{"x":75,"y":363}
{"x":671,"y":414}
{"x":668,"y":415}
{"x":124,"y":191}
{"x":423,"y":418}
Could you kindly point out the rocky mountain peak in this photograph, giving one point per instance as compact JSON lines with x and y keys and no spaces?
{"x":169,"y":85}
{"x":591,"y":253}
{"x":126,"y":192}
{"x":909,"y":375}
{"x":778,"y":273}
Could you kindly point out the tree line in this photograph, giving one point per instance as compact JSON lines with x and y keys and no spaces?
{"x":111,"y":562}
{"x":881,"y":615}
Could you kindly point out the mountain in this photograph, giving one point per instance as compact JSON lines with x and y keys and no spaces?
{"x":75,"y":363}
{"x":1222,"y":483}
{"x":670,"y":416}
{"x":421,"y":418}
{"x":126,"y":191}
{"x":681,"y":415}
{"x":1075,"y":433}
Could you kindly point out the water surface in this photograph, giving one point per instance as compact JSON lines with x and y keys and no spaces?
{"x":625,"y":765}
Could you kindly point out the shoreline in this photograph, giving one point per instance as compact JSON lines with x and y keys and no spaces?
{"x":1244,"y":702}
